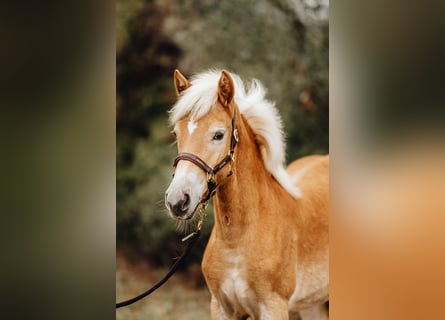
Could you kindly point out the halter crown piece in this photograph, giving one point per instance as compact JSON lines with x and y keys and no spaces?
{"x":211,"y":183}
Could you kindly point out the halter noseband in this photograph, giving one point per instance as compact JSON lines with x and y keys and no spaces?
{"x":211,"y":183}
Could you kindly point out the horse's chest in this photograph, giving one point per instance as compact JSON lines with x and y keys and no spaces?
{"x":232,"y":287}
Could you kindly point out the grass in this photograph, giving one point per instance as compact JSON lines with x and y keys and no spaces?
{"x":179,"y":298}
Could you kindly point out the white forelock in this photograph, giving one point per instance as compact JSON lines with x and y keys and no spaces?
{"x":260,"y":114}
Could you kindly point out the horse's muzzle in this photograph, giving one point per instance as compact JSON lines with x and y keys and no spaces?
{"x":179,"y":209}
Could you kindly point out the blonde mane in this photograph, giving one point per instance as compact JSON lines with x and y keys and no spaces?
{"x":260,"y":114}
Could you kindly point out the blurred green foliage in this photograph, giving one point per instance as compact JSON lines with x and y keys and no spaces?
{"x":262,"y":39}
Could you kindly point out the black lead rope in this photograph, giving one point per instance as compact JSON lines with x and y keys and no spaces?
{"x":191,"y":240}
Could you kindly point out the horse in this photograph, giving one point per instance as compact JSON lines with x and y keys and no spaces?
{"x":268,"y":253}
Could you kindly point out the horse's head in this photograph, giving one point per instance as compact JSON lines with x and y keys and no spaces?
{"x":206,"y":138}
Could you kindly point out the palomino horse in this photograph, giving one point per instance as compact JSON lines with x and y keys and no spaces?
{"x":267,"y":256}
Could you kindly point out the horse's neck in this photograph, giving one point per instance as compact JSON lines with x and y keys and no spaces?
{"x":238,"y":198}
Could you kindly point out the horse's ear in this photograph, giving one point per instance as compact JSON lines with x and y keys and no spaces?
{"x":226,"y":89}
{"x":181,"y":82}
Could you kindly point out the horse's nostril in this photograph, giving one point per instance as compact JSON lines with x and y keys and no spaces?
{"x":181,"y":207}
{"x":186,"y":200}
{"x":184,"y":203}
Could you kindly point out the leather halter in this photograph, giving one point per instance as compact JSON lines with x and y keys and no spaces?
{"x":211,"y":183}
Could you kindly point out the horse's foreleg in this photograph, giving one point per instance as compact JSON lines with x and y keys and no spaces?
{"x":276,"y":309}
{"x":216,"y":311}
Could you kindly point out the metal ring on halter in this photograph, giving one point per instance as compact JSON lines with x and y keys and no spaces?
{"x":210,"y":176}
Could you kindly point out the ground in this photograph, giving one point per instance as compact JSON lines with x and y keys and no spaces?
{"x":184,"y":296}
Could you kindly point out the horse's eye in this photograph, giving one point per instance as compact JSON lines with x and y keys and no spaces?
{"x":218,"y":136}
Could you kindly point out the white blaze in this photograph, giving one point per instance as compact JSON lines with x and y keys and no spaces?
{"x":191,"y":126}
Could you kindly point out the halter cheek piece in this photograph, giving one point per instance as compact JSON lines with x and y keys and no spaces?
{"x":211,"y":172}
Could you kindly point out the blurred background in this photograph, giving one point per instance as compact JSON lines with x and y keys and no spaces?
{"x":282,"y":43}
